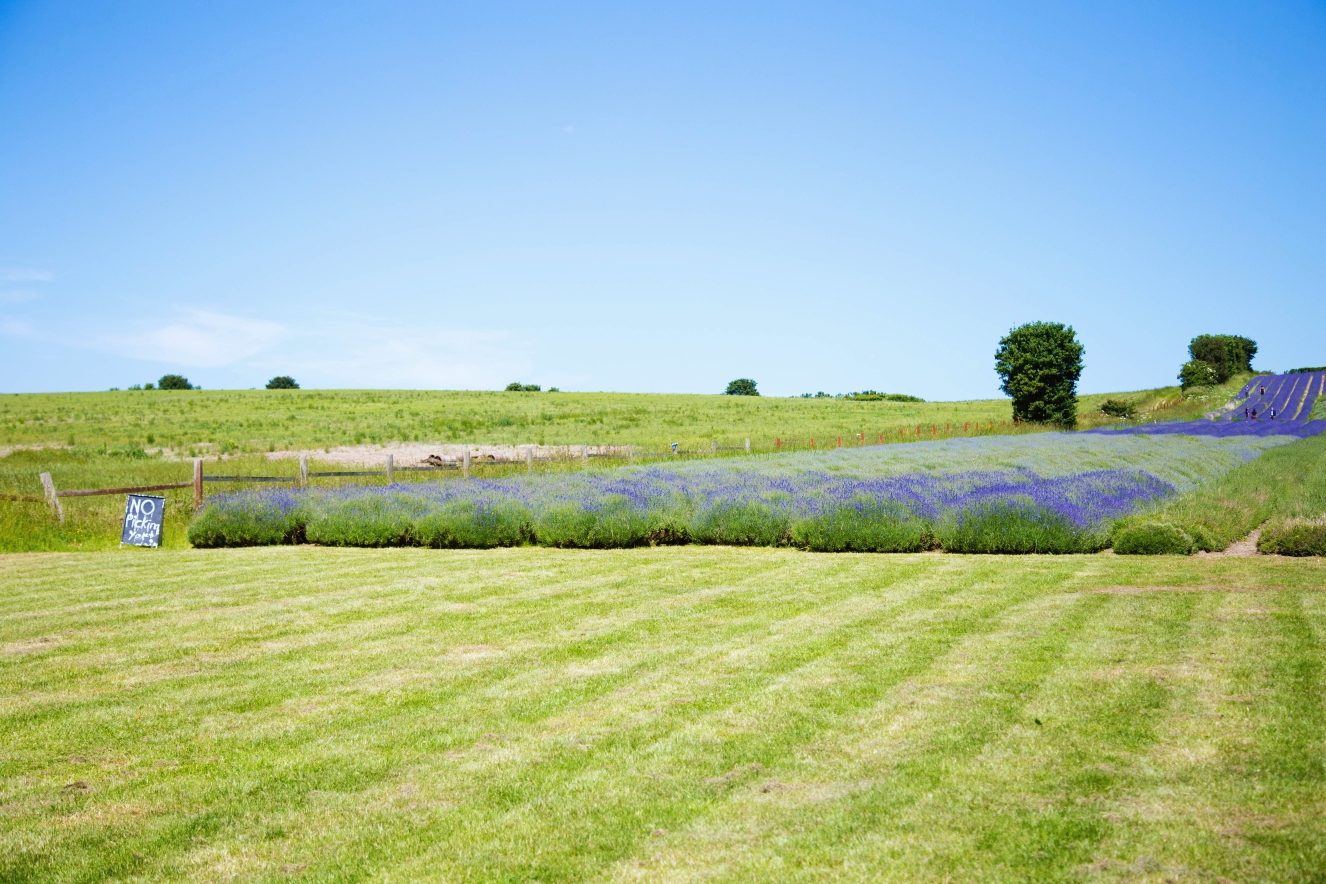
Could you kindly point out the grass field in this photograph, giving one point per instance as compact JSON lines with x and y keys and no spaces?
{"x":96,"y":440}
{"x":207,"y":421}
{"x":660,"y":714}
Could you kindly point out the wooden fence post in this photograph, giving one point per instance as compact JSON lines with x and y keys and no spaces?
{"x":748,"y":446}
{"x":584,"y":456}
{"x":630,"y":454}
{"x":778,"y":444}
{"x":465,"y":462}
{"x":197,"y":483}
{"x":812,"y":441}
{"x":529,"y":459}
{"x":714,"y":443}
{"x":391,"y":468}
{"x":840,"y":441}
{"x":51,"y":497}
{"x":303,"y":471}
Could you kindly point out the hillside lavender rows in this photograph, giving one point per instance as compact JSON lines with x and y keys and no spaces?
{"x":970,"y":495}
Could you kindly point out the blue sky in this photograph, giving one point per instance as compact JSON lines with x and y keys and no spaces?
{"x":609,"y":197}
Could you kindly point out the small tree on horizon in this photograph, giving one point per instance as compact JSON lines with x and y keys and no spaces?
{"x":741,"y":387}
{"x":1226,"y":355}
{"x":1039,"y":365}
{"x":282,"y":382}
{"x":174,"y":382}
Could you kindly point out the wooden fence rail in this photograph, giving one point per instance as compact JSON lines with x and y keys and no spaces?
{"x":465,"y":465}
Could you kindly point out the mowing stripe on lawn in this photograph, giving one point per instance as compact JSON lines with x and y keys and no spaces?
{"x":529,"y":713}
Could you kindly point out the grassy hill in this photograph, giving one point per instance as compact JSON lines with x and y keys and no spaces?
{"x":265,"y":420}
{"x":261,"y":420}
{"x":98,"y":440}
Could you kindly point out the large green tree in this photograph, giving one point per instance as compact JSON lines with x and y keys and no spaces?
{"x":1224,"y":354}
{"x":1039,"y":365}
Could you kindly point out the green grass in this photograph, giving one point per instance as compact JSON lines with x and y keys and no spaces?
{"x":95,"y":440}
{"x":263,"y":420}
{"x":259,"y":420}
{"x":1287,"y":482}
{"x":93,"y":523}
{"x":659,"y":714}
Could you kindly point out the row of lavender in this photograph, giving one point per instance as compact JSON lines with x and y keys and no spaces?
{"x":1289,"y":397}
{"x":1045,"y":493}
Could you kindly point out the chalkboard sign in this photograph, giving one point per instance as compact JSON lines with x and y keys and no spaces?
{"x":142,"y":520}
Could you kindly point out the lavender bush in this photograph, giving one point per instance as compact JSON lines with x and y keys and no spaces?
{"x":977,"y":495}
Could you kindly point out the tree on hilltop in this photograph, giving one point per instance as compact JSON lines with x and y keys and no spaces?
{"x":741,"y":387}
{"x":174,"y":382}
{"x":282,"y":382}
{"x":1039,"y":365}
{"x":1214,"y":359}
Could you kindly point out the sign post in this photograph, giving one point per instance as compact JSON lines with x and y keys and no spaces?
{"x":142,"y":520}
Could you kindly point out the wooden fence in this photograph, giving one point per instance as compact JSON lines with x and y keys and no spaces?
{"x":466,"y":464}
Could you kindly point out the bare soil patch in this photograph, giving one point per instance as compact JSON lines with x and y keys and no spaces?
{"x":408,"y":454}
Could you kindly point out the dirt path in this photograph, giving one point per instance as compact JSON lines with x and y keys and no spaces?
{"x":1238,"y":549}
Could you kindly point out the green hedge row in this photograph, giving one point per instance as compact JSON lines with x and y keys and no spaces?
{"x":401,"y":520}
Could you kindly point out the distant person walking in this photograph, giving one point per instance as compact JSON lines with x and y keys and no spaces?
{"x":1254,"y":414}
{"x":1245,"y":413}
{"x":1263,"y":391}
{"x":1272,"y":413}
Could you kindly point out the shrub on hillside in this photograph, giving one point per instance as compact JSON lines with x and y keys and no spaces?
{"x":741,"y":387}
{"x":739,"y":524}
{"x":172,"y":382}
{"x":1196,"y":373}
{"x":1039,"y":365}
{"x":386,"y":520}
{"x":1204,"y":538}
{"x":614,"y":525}
{"x":1153,"y":538}
{"x":466,"y":524}
{"x":1306,"y":370}
{"x":864,"y":526}
{"x":1014,"y":528}
{"x":248,"y":520}
{"x":516,"y":387}
{"x":1294,"y":537}
{"x":282,"y":382}
{"x":1118,"y":408}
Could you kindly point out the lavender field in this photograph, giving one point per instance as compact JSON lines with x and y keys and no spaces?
{"x":1053,"y":492}
{"x":1268,"y":405}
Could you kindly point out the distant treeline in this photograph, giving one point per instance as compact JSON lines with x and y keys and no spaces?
{"x":865,"y":396}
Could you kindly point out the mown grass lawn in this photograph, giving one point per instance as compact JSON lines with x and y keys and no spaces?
{"x":659,"y":714}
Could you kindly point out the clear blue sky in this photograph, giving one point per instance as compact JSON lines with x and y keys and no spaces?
{"x":609,"y":197}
